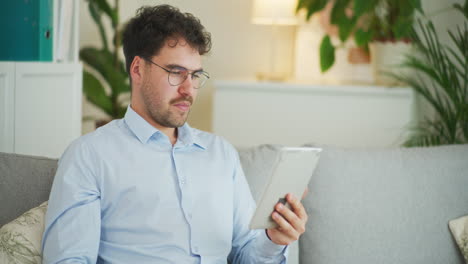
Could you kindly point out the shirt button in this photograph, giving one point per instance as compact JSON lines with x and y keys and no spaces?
{"x":182,"y":182}
{"x":190,"y":216}
{"x":195,"y":249}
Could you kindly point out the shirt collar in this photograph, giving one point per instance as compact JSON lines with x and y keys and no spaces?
{"x":189,"y":136}
{"x":144,"y":130}
{"x":139,"y":126}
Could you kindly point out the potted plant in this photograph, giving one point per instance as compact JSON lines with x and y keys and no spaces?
{"x":106,"y":80}
{"x":367,"y":21}
{"x":441,"y":79}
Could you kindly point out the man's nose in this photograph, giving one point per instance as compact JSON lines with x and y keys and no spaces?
{"x":187,"y":86}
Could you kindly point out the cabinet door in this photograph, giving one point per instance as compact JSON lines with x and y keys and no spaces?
{"x":47,"y":107}
{"x":7,"y":84}
{"x":249,"y":114}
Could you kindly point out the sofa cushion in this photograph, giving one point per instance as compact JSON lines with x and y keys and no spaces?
{"x":20,"y":240}
{"x":385,"y":206}
{"x":459,"y":229}
{"x":25,"y":182}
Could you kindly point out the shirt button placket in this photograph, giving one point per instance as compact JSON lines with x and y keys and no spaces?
{"x":180,"y":177}
{"x":182,"y":186}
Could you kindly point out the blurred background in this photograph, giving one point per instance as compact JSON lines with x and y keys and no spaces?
{"x":241,"y":49}
{"x":319,"y":75}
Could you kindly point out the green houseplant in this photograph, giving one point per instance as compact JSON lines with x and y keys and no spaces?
{"x":106,"y":81}
{"x":366,"y":20}
{"x":442,"y":80}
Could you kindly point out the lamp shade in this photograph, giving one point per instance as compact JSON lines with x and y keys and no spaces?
{"x":274,"y":12}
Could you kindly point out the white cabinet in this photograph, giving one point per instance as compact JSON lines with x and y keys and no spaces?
{"x":252,"y":113}
{"x":40,"y":102}
{"x":7,"y":107}
{"x":40,"y":107}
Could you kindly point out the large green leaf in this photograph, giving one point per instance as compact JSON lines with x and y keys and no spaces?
{"x":416,"y":5}
{"x":403,"y":8}
{"x":300,"y":5}
{"x":117,"y":39}
{"x":96,"y":94}
{"x":403,"y":27}
{"x":327,"y":54}
{"x":106,"y":8}
{"x":103,"y":62}
{"x":362,"y":38}
{"x":361,"y":7}
{"x":339,"y":12}
{"x":346,"y":27}
{"x":313,"y":6}
{"x":340,"y":18}
{"x":96,"y":14}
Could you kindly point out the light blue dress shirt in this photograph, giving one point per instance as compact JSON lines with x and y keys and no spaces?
{"x":124,"y":194}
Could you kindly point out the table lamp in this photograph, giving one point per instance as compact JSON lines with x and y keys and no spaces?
{"x":275,"y":13}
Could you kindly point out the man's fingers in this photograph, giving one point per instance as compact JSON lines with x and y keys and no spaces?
{"x":285,"y":227}
{"x":295,"y":217}
{"x":306,"y":191}
{"x":297,"y":206}
{"x":288,"y":215}
{"x":291,"y":222}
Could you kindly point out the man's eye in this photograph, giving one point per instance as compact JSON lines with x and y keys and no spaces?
{"x":177,"y":72}
{"x":196,"y":75}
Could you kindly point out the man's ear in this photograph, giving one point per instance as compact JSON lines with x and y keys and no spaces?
{"x":137,"y":70}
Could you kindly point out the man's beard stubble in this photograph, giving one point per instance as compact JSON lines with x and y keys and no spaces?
{"x":167,"y":118}
{"x":155,"y":108}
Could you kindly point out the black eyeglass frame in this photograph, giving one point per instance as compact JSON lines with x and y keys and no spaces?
{"x":169,"y":72}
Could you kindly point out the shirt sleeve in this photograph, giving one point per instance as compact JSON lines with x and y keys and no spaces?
{"x":250,"y":246}
{"x":72,"y":223}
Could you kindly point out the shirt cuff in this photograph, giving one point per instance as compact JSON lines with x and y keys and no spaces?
{"x":267,"y":248}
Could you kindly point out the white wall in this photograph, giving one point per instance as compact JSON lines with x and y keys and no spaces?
{"x":442,"y":17}
{"x":240,"y":49}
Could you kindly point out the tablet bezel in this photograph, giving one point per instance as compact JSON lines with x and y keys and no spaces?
{"x":279,"y":183}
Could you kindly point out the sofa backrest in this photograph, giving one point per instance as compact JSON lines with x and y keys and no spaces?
{"x":25,"y":182}
{"x":385,"y":206}
{"x":364,"y":206}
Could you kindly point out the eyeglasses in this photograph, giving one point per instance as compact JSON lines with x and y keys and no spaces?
{"x":178,"y":75}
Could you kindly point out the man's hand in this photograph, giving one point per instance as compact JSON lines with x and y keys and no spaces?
{"x":291,"y":222}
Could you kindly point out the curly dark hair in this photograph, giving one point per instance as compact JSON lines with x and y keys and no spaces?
{"x":145,"y":34}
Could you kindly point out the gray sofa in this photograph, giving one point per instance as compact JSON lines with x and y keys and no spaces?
{"x":365,"y":206}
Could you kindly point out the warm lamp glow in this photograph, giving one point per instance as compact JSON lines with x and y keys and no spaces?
{"x":274,"y":12}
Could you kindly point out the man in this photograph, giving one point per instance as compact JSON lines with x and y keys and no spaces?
{"x":149,"y":188}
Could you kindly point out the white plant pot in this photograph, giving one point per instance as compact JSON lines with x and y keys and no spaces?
{"x":387,"y":57}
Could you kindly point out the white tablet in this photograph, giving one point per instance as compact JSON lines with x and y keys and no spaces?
{"x":291,"y":175}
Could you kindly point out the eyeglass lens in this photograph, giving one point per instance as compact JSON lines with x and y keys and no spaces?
{"x":198,"y":79}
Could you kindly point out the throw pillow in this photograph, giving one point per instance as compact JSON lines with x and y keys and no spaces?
{"x":20,"y":240}
{"x":459,"y":229}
